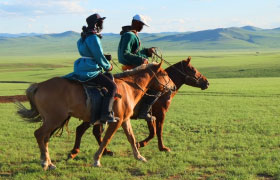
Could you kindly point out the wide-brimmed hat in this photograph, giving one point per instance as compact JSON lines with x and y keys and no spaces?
{"x":141,"y":18}
{"x":93,"y":19}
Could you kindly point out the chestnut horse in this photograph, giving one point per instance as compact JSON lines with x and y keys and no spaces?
{"x":180,"y":73}
{"x":56,"y":100}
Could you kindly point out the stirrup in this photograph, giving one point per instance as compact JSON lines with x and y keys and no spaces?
{"x":147,"y":117}
{"x":109,"y":118}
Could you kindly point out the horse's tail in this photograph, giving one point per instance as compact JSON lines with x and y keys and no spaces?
{"x":30,"y":115}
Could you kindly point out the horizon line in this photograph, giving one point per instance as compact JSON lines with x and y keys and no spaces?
{"x":145,"y":32}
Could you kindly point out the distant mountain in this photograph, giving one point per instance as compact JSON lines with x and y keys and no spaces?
{"x":251,"y":28}
{"x":18,"y":35}
{"x":247,"y":37}
{"x":227,"y":38}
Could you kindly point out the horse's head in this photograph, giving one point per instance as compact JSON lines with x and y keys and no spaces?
{"x":192,"y":76}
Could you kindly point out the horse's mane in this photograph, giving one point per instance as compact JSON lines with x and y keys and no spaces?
{"x":134,"y":71}
{"x":173,"y":65}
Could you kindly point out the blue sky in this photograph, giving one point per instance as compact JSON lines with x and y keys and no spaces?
{"x":55,"y":16}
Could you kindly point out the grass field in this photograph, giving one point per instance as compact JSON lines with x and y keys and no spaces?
{"x":229,"y":131}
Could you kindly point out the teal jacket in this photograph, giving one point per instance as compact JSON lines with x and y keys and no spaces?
{"x":92,"y":61}
{"x":130,"y":51}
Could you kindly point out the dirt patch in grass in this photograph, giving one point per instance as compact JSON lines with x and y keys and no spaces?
{"x":9,"y":99}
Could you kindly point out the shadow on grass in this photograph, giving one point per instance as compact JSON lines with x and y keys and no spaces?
{"x":185,"y":93}
{"x":266,"y":176}
{"x":135,"y":172}
{"x":27,"y":169}
{"x":15,"y":82}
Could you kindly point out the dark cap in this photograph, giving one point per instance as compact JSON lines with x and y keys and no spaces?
{"x":93,"y":19}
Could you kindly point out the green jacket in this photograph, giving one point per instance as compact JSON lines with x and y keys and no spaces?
{"x":130,"y":51}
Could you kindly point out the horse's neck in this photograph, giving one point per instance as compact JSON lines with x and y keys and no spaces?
{"x":175,"y":75}
{"x":138,"y":85}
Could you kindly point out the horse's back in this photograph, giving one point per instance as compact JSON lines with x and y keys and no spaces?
{"x":60,"y":88}
{"x":60,"y":95}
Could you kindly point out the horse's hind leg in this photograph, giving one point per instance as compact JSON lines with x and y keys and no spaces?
{"x":42,"y":135}
{"x":130,"y":136}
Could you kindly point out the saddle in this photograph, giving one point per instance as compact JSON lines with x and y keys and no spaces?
{"x":94,"y":95}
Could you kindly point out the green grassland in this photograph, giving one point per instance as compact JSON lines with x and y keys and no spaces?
{"x":229,"y":131}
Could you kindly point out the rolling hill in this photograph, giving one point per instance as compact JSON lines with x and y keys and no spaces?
{"x":234,"y":38}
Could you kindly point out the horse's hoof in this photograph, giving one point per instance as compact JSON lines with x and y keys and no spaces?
{"x":51,"y":167}
{"x":166,"y":149}
{"x":44,"y":165}
{"x":108,"y":153}
{"x":97,"y":164}
{"x":141,"y":158}
{"x":71,"y":156}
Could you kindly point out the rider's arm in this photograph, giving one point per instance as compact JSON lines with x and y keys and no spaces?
{"x":95,"y":47}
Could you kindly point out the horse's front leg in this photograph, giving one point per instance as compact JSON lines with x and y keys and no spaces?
{"x":152,"y":130}
{"x":130,"y":136}
{"x":80,"y":130}
{"x":159,"y":129}
{"x":111,"y":130}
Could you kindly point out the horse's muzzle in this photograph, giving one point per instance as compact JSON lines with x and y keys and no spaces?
{"x":204,"y":85}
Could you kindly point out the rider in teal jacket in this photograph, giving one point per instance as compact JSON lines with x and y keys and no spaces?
{"x":92,"y":61}
{"x":88,"y":68}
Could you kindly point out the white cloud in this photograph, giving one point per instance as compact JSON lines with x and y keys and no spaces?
{"x":148,"y":18}
{"x":5,"y":13}
{"x":242,"y":22}
{"x":32,"y":19}
{"x":70,"y":6}
{"x":39,"y":12}
{"x":97,"y":10}
{"x":41,"y":7}
{"x":46,"y":29}
{"x":30,"y":26}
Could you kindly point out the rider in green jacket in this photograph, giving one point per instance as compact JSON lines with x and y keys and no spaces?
{"x":131,"y":54}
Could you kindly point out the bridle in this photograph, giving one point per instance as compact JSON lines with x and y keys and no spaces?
{"x":165,"y":86}
{"x":185,"y":74}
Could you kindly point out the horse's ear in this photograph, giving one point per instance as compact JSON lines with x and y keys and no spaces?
{"x":189,"y":59}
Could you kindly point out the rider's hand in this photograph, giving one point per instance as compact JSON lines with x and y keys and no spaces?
{"x":108,"y":57}
{"x":145,"y":61}
{"x":111,"y":68}
{"x":151,"y":51}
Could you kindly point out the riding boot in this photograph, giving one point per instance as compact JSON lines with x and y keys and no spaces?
{"x":107,"y":114}
{"x":145,"y":112}
{"x":147,"y":103}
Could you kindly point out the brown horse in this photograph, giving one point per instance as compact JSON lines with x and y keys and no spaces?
{"x":180,"y":73}
{"x":56,"y":100}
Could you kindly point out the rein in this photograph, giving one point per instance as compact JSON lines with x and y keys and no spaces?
{"x":116,"y":65}
{"x":166,"y":89}
{"x":185,"y":74}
